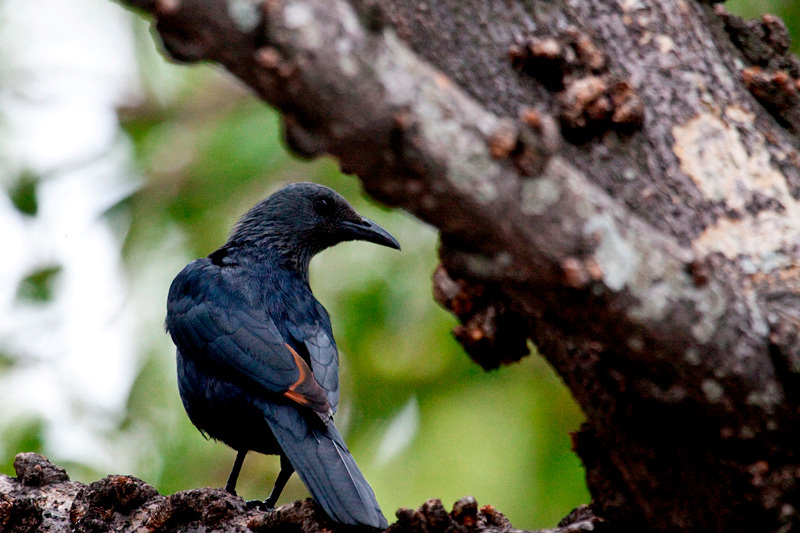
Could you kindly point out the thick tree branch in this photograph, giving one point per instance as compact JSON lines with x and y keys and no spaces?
{"x":605,"y":185}
{"x":42,"y":498}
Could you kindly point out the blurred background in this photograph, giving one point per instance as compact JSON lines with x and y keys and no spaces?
{"x":118,"y":169}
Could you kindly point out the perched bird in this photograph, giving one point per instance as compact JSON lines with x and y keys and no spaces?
{"x":258,"y":367}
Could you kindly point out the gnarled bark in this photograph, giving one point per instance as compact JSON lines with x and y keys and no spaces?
{"x":42,"y":498}
{"x":616,"y":181}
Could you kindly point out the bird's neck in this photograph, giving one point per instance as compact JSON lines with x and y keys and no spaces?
{"x":283,"y":262}
{"x":278,"y":246}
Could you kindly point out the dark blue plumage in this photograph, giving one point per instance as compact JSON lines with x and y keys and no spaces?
{"x":258,"y":367}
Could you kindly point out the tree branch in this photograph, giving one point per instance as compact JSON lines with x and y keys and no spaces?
{"x":42,"y":498}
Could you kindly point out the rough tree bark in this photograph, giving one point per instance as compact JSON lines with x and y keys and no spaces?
{"x":43,"y":499}
{"x":616,"y":180}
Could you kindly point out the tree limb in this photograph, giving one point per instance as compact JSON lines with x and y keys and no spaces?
{"x":42,"y":498}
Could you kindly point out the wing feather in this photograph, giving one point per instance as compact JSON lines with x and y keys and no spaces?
{"x":317,"y":338}
{"x":306,"y":390}
{"x":207,"y":317}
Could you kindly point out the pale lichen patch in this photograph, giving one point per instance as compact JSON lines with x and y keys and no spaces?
{"x":347,"y":63}
{"x":636,"y":344}
{"x":713,"y":390}
{"x":739,"y":114}
{"x":724,"y":169}
{"x":768,"y":235}
{"x":768,"y":398}
{"x":711,"y":306}
{"x":624,"y":255}
{"x":614,"y":253}
{"x":665,"y":43}
{"x":712,"y":155}
{"x":538,"y":195}
{"x":351,"y":33}
{"x":439,"y":116}
{"x":246,"y":14}
{"x":631,"y":5}
{"x":299,"y":16}
{"x":347,"y":18}
{"x":692,"y":356}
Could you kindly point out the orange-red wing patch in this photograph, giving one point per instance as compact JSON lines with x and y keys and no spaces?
{"x":306,"y":391}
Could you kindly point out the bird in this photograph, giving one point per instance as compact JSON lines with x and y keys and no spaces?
{"x":258,"y":367}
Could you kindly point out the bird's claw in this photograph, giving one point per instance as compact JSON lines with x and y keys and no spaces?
{"x":257,"y":505}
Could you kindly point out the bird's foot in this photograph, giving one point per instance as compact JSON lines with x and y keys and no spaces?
{"x":271,"y":501}
{"x":257,"y":505}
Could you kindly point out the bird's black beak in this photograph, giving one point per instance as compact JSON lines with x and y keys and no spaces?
{"x":367,"y":230}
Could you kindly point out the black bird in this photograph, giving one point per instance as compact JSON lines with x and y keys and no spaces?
{"x":257,"y":364}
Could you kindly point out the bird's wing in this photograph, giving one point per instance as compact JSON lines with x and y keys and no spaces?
{"x":317,"y":338}
{"x":208,"y":316}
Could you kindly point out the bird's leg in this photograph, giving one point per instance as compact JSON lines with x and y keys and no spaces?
{"x":230,"y":486}
{"x":286,"y":472}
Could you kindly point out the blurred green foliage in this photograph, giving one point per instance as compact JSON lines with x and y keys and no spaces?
{"x":25,"y":436}
{"x":38,"y":286}
{"x":503,"y":437}
{"x":23,"y":194}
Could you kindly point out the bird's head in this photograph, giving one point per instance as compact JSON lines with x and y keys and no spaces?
{"x":302,"y":219}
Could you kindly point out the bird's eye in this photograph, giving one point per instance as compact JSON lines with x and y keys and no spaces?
{"x":323,"y":206}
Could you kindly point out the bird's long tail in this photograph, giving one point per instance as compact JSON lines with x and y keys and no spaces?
{"x":320,"y":457}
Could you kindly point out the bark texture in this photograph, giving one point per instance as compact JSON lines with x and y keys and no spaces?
{"x":616,"y":181}
{"x":42,"y":498}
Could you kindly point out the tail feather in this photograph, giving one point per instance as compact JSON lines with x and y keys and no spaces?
{"x":321,"y":459}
